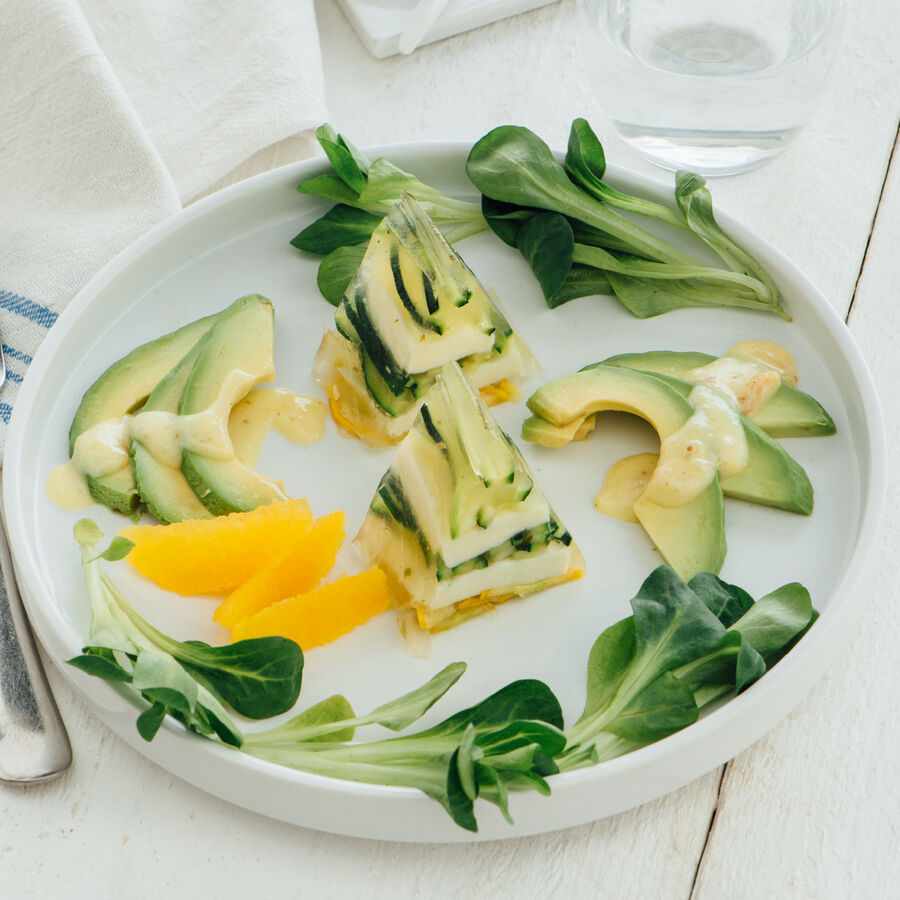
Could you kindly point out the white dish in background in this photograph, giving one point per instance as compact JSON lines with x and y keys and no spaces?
{"x":379,"y":23}
{"x":237,"y":242}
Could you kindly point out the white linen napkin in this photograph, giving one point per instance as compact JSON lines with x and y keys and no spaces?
{"x":114,"y":113}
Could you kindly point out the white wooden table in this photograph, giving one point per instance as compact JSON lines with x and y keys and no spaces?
{"x":811,"y":810}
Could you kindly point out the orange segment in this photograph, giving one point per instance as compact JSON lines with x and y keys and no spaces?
{"x":320,"y":616}
{"x":299,"y":570}
{"x":214,"y":556}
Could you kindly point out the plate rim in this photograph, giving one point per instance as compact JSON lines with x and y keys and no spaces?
{"x":768,"y":701}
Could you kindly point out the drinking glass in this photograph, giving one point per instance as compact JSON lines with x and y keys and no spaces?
{"x":715,"y":86}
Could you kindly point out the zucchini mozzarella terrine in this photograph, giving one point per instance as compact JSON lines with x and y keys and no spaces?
{"x":457,"y":522}
{"x":412,"y":306}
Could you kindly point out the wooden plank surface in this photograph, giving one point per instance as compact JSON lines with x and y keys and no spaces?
{"x":142,"y":828}
{"x":804,"y":812}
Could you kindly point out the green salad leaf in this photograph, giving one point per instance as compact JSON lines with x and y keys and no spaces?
{"x":527,"y":199}
{"x":695,"y":202}
{"x":189,"y":680}
{"x":336,"y":271}
{"x":585,"y":165}
{"x":508,"y":741}
{"x":341,"y":226}
{"x":364,"y":192}
{"x":548,"y":244}
{"x":519,"y":175}
{"x":686,"y":648}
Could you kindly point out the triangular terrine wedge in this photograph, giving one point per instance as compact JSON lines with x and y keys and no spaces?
{"x":412,"y":306}
{"x":458,"y":522}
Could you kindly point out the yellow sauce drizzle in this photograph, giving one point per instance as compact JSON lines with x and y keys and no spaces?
{"x":298,"y":418}
{"x":623,"y":485}
{"x":103,"y":449}
{"x":67,"y":487}
{"x":769,"y":353}
{"x":711,"y":441}
{"x":747,"y":382}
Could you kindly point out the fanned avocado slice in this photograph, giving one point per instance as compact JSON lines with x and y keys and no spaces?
{"x":772,"y":477}
{"x":122,"y":389}
{"x":163,"y":487}
{"x":236,"y":355}
{"x":789,"y":412}
{"x":691,"y":537}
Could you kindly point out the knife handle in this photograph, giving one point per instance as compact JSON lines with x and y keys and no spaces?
{"x":34,"y":745}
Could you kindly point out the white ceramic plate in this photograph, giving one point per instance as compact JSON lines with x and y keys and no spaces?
{"x":237,"y":242}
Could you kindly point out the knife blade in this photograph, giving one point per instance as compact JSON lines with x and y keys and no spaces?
{"x":34,"y":744}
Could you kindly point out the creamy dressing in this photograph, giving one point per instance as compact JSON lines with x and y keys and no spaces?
{"x":769,"y":353}
{"x":712,"y":440}
{"x":104,"y":448}
{"x":747,"y":382}
{"x":166,"y":435}
{"x":67,"y":487}
{"x":298,"y":418}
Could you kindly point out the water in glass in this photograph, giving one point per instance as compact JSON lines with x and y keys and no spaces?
{"x":710,"y":85}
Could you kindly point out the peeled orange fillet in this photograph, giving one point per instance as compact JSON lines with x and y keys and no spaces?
{"x":214,"y":556}
{"x":322,"y":615}
{"x":297,"y":571}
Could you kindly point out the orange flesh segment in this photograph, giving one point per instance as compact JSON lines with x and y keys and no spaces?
{"x":214,"y":556}
{"x":299,"y":570}
{"x":322,"y":615}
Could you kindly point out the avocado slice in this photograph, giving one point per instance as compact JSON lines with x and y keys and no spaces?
{"x":537,"y":430}
{"x":691,"y":538}
{"x":772,"y":477}
{"x":162,"y":487}
{"x":236,"y":355}
{"x":789,"y":412}
{"x":122,"y":389}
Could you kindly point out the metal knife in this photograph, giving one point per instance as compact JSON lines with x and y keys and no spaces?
{"x":34,"y":745}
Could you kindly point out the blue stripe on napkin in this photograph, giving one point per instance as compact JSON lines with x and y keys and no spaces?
{"x":5,"y":412}
{"x":13,"y":353}
{"x":28,"y":309}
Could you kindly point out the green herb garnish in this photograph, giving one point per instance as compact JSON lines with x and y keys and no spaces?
{"x":365,"y":191}
{"x":687,"y":648}
{"x":192,"y":681}
{"x":650,"y":276}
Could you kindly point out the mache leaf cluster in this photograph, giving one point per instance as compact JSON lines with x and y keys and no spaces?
{"x":364,"y":192}
{"x":569,"y":224}
{"x":580,"y":235}
{"x":686,"y":648}
{"x":191,"y":681}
